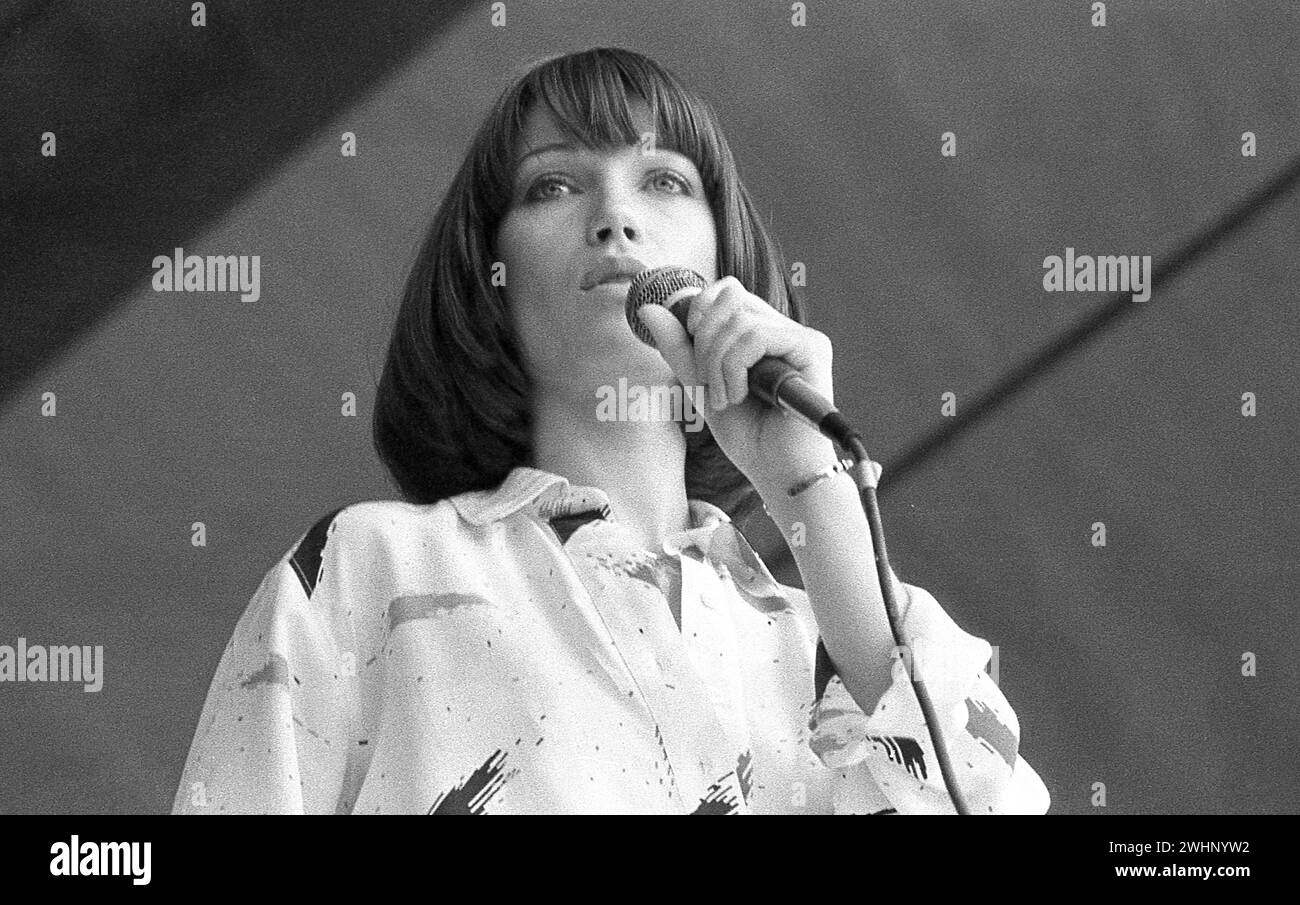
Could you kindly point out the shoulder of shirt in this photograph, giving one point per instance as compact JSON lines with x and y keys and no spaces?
{"x":381,"y":520}
{"x":374,"y":516}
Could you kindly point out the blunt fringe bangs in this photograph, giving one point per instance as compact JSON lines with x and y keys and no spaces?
{"x":451,"y":410}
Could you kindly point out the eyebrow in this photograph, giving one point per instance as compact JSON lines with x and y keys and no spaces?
{"x":568,"y":146}
{"x":554,"y":146}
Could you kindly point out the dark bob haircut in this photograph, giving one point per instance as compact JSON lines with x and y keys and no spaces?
{"x":452,"y":405}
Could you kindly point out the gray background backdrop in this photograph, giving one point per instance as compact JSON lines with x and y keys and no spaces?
{"x":1123,"y":662}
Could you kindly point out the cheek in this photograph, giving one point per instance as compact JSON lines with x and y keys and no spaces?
{"x":510,"y":244}
{"x":528,"y":293}
{"x":529,"y":251}
{"x":704,"y":246}
{"x":516,"y":250}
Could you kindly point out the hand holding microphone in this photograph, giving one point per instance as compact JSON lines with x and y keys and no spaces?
{"x":760,"y":367}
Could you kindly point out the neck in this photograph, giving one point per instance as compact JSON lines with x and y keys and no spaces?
{"x":641,"y":466}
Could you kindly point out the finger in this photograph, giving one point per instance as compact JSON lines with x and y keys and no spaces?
{"x":726,"y":292}
{"x":729,"y":358}
{"x":732,"y":312}
{"x":722,"y":321}
{"x":671,"y":341}
{"x":715,"y":306}
{"x":739,"y":357}
{"x":708,"y":357}
{"x":724,"y":326}
{"x":702,"y":301}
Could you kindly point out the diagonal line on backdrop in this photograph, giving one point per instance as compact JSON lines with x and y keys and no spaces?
{"x":1075,"y":338}
{"x":1070,"y":340}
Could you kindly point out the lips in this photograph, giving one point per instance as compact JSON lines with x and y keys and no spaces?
{"x":612,"y":270}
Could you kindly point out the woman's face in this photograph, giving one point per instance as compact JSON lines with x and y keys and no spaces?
{"x":572,"y":209}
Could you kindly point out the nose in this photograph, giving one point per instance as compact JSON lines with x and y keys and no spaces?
{"x":601,"y":234}
{"x":613,"y":219}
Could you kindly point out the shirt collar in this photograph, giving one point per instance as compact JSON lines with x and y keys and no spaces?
{"x":549,"y":495}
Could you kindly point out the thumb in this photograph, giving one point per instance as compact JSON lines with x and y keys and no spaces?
{"x":672,"y":342}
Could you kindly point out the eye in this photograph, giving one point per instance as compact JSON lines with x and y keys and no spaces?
{"x":538,"y":190}
{"x":669,"y":174}
{"x":543,"y":182}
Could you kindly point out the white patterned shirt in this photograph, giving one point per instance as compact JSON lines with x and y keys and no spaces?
{"x":512,"y":651}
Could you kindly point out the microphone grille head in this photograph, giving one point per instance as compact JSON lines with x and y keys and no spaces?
{"x":656,"y":286}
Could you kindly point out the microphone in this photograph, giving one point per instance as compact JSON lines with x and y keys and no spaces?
{"x":771,"y":380}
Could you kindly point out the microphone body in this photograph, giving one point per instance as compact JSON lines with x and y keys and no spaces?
{"x":771,"y":380}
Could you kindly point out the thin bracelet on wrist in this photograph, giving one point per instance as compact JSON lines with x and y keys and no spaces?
{"x":824,"y":474}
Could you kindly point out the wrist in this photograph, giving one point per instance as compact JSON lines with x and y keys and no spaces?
{"x":828,"y":511}
{"x":791,"y":470}
{"x":833,"y":480}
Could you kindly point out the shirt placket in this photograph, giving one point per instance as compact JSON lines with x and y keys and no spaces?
{"x":709,"y":635}
{"x":694,"y":744}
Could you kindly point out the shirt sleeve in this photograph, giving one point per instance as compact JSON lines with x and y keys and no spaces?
{"x":275,"y":732}
{"x":889,"y":751}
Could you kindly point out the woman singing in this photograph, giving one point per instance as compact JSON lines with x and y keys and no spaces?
{"x":561,"y":616}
